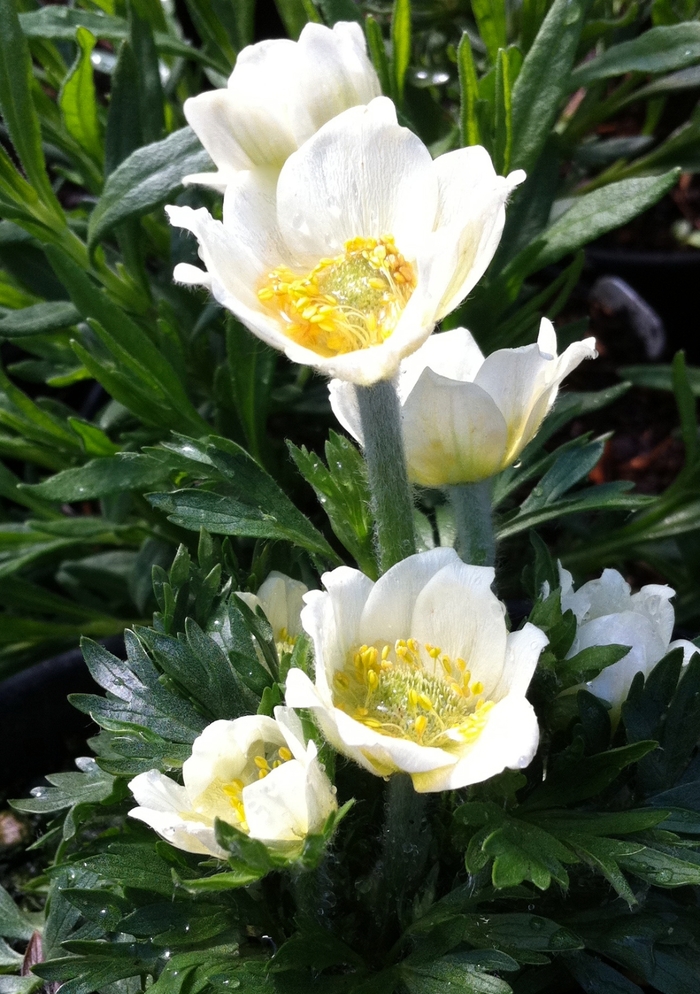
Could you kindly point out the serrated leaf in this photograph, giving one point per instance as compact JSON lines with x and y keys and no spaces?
{"x":117,"y":474}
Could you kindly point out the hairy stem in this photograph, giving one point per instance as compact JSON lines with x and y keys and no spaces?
{"x":471,"y":503}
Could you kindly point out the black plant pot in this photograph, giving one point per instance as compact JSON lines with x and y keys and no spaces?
{"x":40,"y":732}
{"x":668,"y":281}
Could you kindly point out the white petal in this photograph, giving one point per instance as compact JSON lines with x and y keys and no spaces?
{"x":606,"y":595}
{"x":454,"y":354}
{"x":360,"y":175}
{"x":654,"y":602}
{"x":453,"y":432}
{"x":388,"y":613}
{"x":523,"y":650}
{"x":385,"y":753}
{"x":189,"y":835}
{"x":212,"y":116}
{"x":290,"y":725}
{"x":335,"y":71}
{"x":191,"y":275}
{"x":275,"y":807}
{"x":281,"y":599}
{"x":333,"y":620}
{"x":689,"y":649}
{"x":509,"y":740}
{"x":299,"y":691}
{"x":472,"y":201}
{"x":344,"y":405}
{"x":623,"y":628}
{"x":154,"y":790}
{"x":457,"y":611}
{"x":221,"y":751}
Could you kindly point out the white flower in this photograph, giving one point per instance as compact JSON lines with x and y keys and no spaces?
{"x":465,"y":418}
{"x":347,"y":258}
{"x":279,"y":93}
{"x":255,"y":773}
{"x":281,"y":599}
{"x":608,"y":613}
{"x":417,"y":672}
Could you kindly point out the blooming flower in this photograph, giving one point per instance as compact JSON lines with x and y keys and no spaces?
{"x":281,"y":599}
{"x":279,"y":93}
{"x":465,"y":418}
{"x":608,"y":613}
{"x":255,"y":773}
{"x":417,"y":672}
{"x":348,"y":257}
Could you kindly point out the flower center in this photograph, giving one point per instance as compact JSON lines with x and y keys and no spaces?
{"x":257,"y":769}
{"x":353,"y":301}
{"x":412,"y":691}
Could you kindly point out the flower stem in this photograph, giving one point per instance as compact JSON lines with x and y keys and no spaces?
{"x":380,"y":415}
{"x":405,"y":843}
{"x":471,"y":504}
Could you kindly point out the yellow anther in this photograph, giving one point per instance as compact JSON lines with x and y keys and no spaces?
{"x":284,"y":754}
{"x":434,"y":651}
{"x":446,"y":666}
{"x":262,"y":774}
{"x":342,"y":680}
{"x":350,"y":302}
{"x":261,"y":763}
{"x":361,"y":712}
{"x":461,"y":664}
{"x":385,"y":652}
{"x":372,"y":680}
{"x":413,"y":697}
{"x":420,"y":725}
{"x":425,"y":702}
{"x":412,"y":645}
{"x":477,"y":687}
{"x":372,"y":723}
{"x":457,"y":689}
{"x":277,"y":762}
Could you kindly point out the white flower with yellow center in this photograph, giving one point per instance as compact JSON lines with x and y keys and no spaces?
{"x":255,"y":773}
{"x":608,"y":613}
{"x":279,"y":93}
{"x":281,"y":599}
{"x":417,"y":672}
{"x":465,"y":418}
{"x":347,"y":258}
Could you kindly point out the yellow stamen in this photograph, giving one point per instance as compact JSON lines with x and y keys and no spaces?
{"x":284,"y":754}
{"x":353,"y":301}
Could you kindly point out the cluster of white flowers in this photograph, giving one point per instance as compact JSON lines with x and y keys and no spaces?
{"x":343,"y":244}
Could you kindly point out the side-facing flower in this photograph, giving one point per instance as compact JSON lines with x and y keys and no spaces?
{"x":465,"y":418}
{"x":347,"y":258}
{"x":279,"y":93}
{"x":417,"y":672}
{"x":281,"y":599}
{"x":608,"y":613}
{"x":256,"y":773}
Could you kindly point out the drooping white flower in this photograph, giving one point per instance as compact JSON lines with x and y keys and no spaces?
{"x":465,"y":418}
{"x":281,"y":599}
{"x":608,"y":613}
{"x":279,"y":93}
{"x":417,"y":672}
{"x":347,"y":258}
{"x":255,"y":773}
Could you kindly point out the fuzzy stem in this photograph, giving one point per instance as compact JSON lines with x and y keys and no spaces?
{"x":471,"y":503}
{"x":380,"y":415}
{"x":405,"y":843}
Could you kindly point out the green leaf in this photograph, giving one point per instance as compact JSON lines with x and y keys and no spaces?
{"x":593,"y":214}
{"x":525,"y":852}
{"x":400,"y":44}
{"x":339,"y":10}
{"x":657,"y":377}
{"x":568,"y":469}
{"x":77,"y":99}
{"x":544,"y":79}
{"x":251,"y":365}
{"x":90,"y":785}
{"x":133,"y":865}
{"x":38,"y":319}
{"x":258,"y":509}
{"x":597,"y":977}
{"x":469,"y":133}
{"x":143,"y":181}
{"x":343,"y":491}
{"x":490,"y":16}
{"x":124,"y":133}
{"x":13,"y":923}
{"x":610,"y":496}
{"x":17,"y":107}
{"x":377,"y":51}
{"x":656,"y":50}
{"x":150,"y":90}
{"x":586,"y":777}
{"x":503,"y":130}
{"x":135,"y":695}
{"x":589,"y":662}
{"x":295,"y":14}
{"x":518,"y":932}
{"x":117,"y":474}
{"x":664,"y":866}
{"x":454,"y":972}
{"x":687,"y":407}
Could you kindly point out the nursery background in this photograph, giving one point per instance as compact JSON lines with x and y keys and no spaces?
{"x":157,"y":458}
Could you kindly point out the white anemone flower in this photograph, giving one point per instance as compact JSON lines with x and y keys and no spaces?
{"x":465,"y":418}
{"x":608,"y":613}
{"x":279,"y":93}
{"x":281,"y":599}
{"x":348,"y":257}
{"x":255,"y":773}
{"x":417,"y":672}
